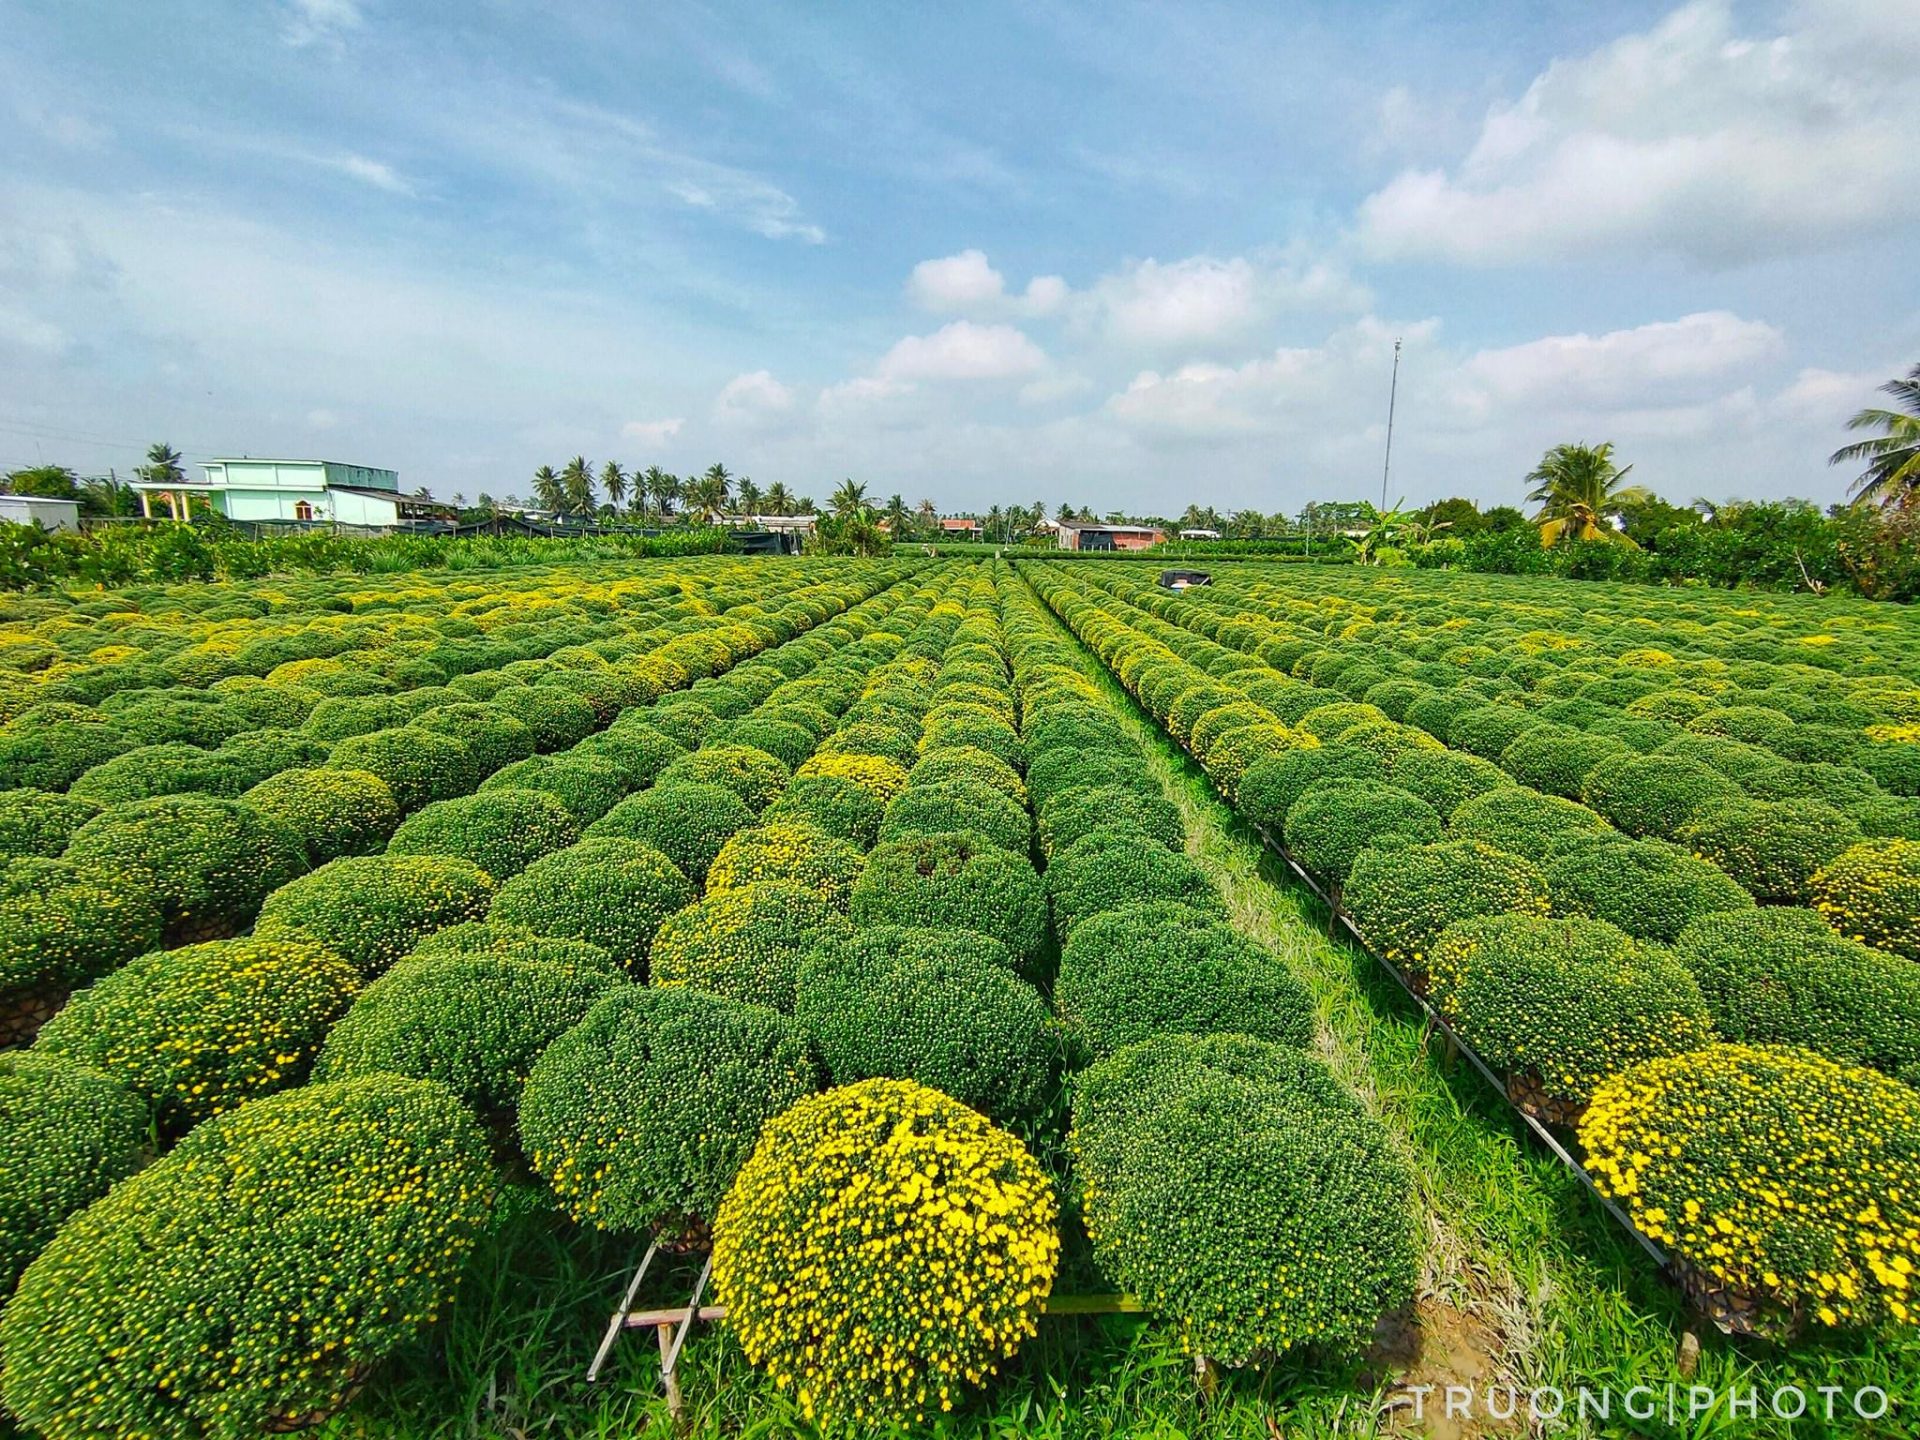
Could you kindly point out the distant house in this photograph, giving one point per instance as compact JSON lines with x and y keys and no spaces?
{"x":778,"y":524}
{"x":299,"y":492}
{"x":1199,"y":534}
{"x":42,"y":510}
{"x":960,"y":527}
{"x":1092,"y":535}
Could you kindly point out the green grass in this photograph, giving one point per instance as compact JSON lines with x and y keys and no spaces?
{"x":1513,"y":1240}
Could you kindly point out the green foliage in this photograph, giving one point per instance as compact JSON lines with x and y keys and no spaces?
{"x":1447,"y":779}
{"x":958,"y":881}
{"x":371,"y":910}
{"x":196,"y":1031}
{"x":1334,"y":820}
{"x":1649,"y":888}
{"x":833,"y":804}
{"x":34,"y":823}
{"x":588,"y":785}
{"x":1073,"y":814}
{"x":474,"y":1023}
{"x":501,"y":831}
{"x":1403,"y":899}
{"x":1526,"y":822}
{"x":1654,"y":794}
{"x":614,"y":893}
{"x":1871,"y":892}
{"x":640,"y":1114}
{"x":207,"y":862}
{"x":177,"y":1308}
{"x":687,"y":821}
{"x":745,"y":943}
{"x":62,"y":925}
{"x":942,"y":1007}
{"x":789,"y":853}
{"x":330,"y":812}
{"x":1243,"y":1195}
{"x":147,"y":771}
{"x":1144,"y":970}
{"x":515,"y":942}
{"x":1107,"y":869}
{"x":71,"y":1133}
{"x":1270,"y":786}
{"x":1780,"y":976}
{"x":754,"y":775}
{"x":492,"y":736}
{"x":966,"y":763}
{"x":1568,"y":1002}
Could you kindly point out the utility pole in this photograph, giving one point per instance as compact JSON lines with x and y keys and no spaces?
{"x":1393,"y":394}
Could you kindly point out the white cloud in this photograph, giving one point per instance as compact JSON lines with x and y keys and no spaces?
{"x":1690,"y":138}
{"x":319,"y":22}
{"x":322,"y":420}
{"x":1203,"y":301}
{"x":962,"y":351}
{"x":651,"y":432}
{"x":755,"y":398}
{"x":965,"y":284}
{"x":29,"y":332}
{"x":1670,"y":359}
{"x":369,"y":172}
{"x":1058,"y":386}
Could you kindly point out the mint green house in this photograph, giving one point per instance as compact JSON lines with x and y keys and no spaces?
{"x":294,"y":492}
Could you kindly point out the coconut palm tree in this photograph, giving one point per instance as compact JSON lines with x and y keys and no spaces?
{"x":163,"y":465}
{"x":849,"y":498}
{"x":805,"y":506}
{"x":749,"y":495}
{"x":1579,"y":491}
{"x":1892,"y":477}
{"x":614,"y":481}
{"x":898,"y":517}
{"x":778,"y":499}
{"x":576,"y":486}
{"x":547,"y":493}
{"x":710,"y":493}
{"x":667,"y":489}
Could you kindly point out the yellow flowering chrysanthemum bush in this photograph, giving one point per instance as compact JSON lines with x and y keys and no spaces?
{"x":789,"y":852}
{"x":1871,"y":893}
{"x":417,"y":765}
{"x":251,"y":1278}
{"x":1774,"y":1174}
{"x":640,"y":1114}
{"x":473,"y":1022}
{"x":1566,"y":1003}
{"x":745,"y":943}
{"x":372,"y":909}
{"x":754,"y":775}
{"x":203,"y":1029}
{"x":883,"y":1248}
{"x":1404,"y":898}
{"x":613,"y":893}
{"x":501,"y":831}
{"x":1243,"y":1194}
{"x":61,"y":925}
{"x":70,"y":1133}
{"x":834,"y":804}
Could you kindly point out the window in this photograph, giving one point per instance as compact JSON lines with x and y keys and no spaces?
{"x":303,"y":511}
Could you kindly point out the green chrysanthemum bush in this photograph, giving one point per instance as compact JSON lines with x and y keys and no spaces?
{"x":834,"y":805}
{"x":1526,"y":822}
{"x":1075,"y":814}
{"x":966,"y":763}
{"x":501,"y":831}
{"x":209,"y":863}
{"x":1780,"y":976}
{"x":614,"y":893}
{"x":1564,"y":1002}
{"x":493,"y":737}
{"x":1110,"y":868}
{"x":883,"y":1249}
{"x":790,"y":853}
{"x":1243,"y":1195}
{"x":686,"y":822}
{"x":754,"y":775}
{"x":197,"y":1031}
{"x":153,"y":770}
{"x":1649,"y":888}
{"x":1871,"y":893}
{"x":588,"y":785}
{"x":1403,"y":899}
{"x":1655,"y":794}
{"x":1772,"y":847}
{"x":52,"y":756}
{"x":745,"y":943}
{"x":941,"y":1007}
{"x":473,"y":1023}
{"x":417,"y":765}
{"x":35,"y":824}
{"x":61,"y":925}
{"x":1447,"y":779}
{"x":251,"y":1278}
{"x":71,"y":1133}
{"x":515,"y":942}
{"x":958,"y":881}
{"x":950,"y":726}
{"x":556,"y":718}
{"x":1772,"y":1173}
{"x":372,"y":909}
{"x":1144,"y":970}
{"x":1330,"y":824}
{"x":640,"y":751}
{"x":1274,"y":784}
{"x":330,"y":812}
{"x":959,"y":805}
{"x":640,"y":1114}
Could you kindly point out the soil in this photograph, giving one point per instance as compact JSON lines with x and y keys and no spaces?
{"x":1434,"y":1344}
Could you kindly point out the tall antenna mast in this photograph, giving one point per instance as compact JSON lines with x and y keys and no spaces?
{"x":1393,"y":394}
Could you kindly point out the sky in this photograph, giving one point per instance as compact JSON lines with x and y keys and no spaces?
{"x":1124,"y":255}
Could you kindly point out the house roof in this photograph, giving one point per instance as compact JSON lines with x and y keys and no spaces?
{"x":1115,"y":529}
{"x":393,"y":495}
{"x":959,"y":522}
{"x":284,"y":460}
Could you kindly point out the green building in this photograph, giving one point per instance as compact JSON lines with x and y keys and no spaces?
{"x":295,"y":492}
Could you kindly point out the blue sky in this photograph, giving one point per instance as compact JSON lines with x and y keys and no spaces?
{"x":1122,"y":255}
